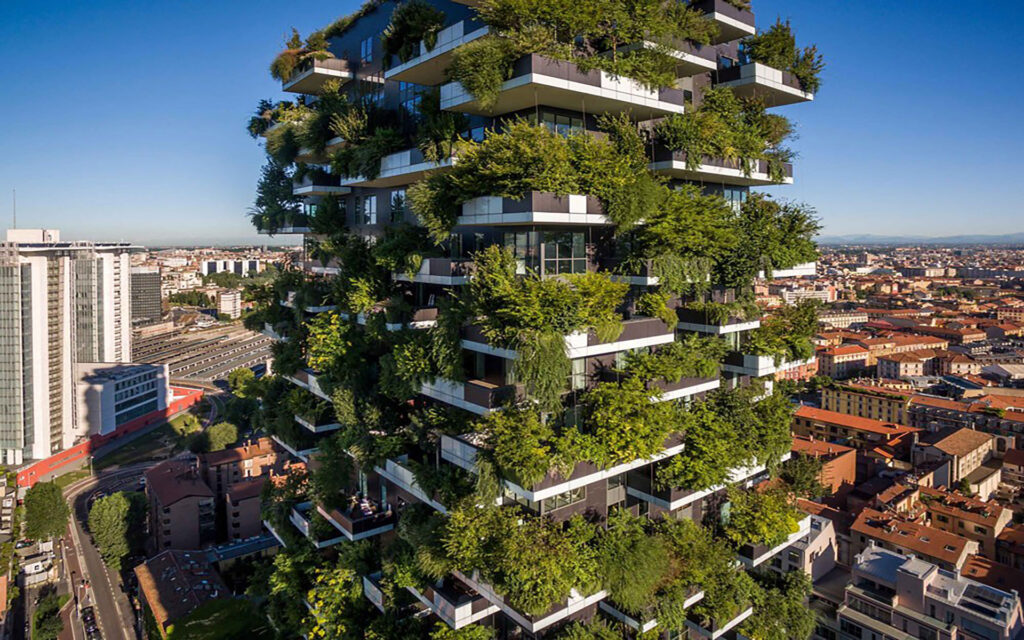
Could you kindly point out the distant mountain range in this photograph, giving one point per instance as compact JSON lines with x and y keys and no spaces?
{"x":872,"y":239}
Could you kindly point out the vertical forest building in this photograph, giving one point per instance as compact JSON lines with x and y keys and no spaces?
{"x":520,"y":358}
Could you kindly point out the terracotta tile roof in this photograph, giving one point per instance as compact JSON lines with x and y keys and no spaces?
{"x":842,"y":520}
{"x":896,"y":493}
{"x":993,"y":574}
{"x":175,"y":480}
{"x":248,"y":489}
{"x":174,"y":583}
{"x":916,"y":538}
{"x":818,"y":448}
{"x":855,"y":386}
{"x":1012,"y":538}
{"x":970,"y":509}
{"x":262,"y":447}
{"x":853,"y":422}
{"x":845,"y":350}
{"x":960,"y":442}
{"x":1014,"y":457}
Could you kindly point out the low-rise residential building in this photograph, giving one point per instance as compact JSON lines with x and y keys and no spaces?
{"x":867,"y":401}
{"x":181,"y":506}
{"x":815,"y":554}
{"x":243,"y":518}
{"x":994,"y":574}
{"x":1010,"y":547}
{"x":984,"y":413}
{"x":112,"y":394}
{"x":1013,"y":469}
{"x":862,"y":433}
{"x":223,"y":469}
{"x":839,"y":462}
{"x":968,"y":517}
{"x":843,"y":361}
{"x":892,"y":532}
{"x":175,"y":583}
{"x":229,"y":303}
{"x":966,"y":449}
{"x":894,"y":595}
{"x":842,"y":319}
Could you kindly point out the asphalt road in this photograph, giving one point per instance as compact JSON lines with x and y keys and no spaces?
{"x":104,"y":592}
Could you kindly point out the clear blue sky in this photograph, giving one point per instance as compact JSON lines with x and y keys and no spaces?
{"x":125,"y":118}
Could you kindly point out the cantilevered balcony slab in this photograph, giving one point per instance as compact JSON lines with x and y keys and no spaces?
{"x":311,"y":76}
{"x":442,"y":271}
{"x":359,"y":527}
{"x":534,"y":208}
{"x":716,"y":170}
{"x":554,"y":83}
{"x":637,"y":333}
{"x":301,"y":518}
{"x":309,"y":156}
{"x":757,"y":366}
{"x":756,"y":80}
{"x":397,"y":169}
{"x":372,"y":590}
{"x":318,"y":426}
{"x":428,"y":66}
{"x":716,"y":630}
{"x":756,"y":555}
{"x":454,"y":603}
{"x":396,"y":472}
{"x":298,"y":224}
{"x":733,"y":23}
{"x":640,"y":485}
{"x":462,"y":451}
{"x":308,"y":380}
{"x":803,"y":270}
{"x":691,"y":58}
{"x":701,"y":322}
{"x":643,"y":624}
{"x":476,"y":396}
{"x":320,"y":186}
{"x":558,"y":612}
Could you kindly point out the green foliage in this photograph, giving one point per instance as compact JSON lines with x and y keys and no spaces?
{"x":338,"y":606}
{"x":276,"y":205}
{"x":633,"y":564}
{"x":533,"y":561}
{"x":46,"y":511}
{"x":439,"y":131}
{"x":370,"y":134}
{"x":691,"y":357}
{"x":655,"y":305}
{"x":788,"y":334}
{"x":781,"y":611}
{"x":481,"y":66}
{"x":520,"y":444}
{"x":240,"y":380}
{"x":802,"y":473}
{"x":411,"y":22}
{"x":330,"y":338}
{"x":596,"y":629}
{"x":117,"y":524}
{"x":761,"y":517}
{"x":190,"y":299}
{"x":626,"y":422}
{"x":771,"y":235}
{"x":222,"y":619}
{"x":719,"y":313}
{"x":543,"y":367}
{"x":776,"y":48}
{"x":46,"y":621}
{"x":215,"y":438}
{"x":725,"y":126}
{"x":472,"y":632}
{"x":727,"y":430}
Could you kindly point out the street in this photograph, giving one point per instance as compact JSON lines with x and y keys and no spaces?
{"x":102,"y":587}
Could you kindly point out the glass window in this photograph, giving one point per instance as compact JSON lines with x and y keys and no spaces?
{"x":397,"y":205}
{"x":579,"y":374}
{"x":366,"y":50}
{"x":570,"y":497}
{"x":564,"y":252}
{"x":367,"y":209}
{"x":563,"y":125}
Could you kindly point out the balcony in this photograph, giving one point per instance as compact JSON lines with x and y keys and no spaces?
{"x":535,"y":207}
{"x":395,"y":472}
{"x":714,"y":629}
{"x":645,"y":623}
{"x":298,"y":224}
{"x":733,"y":23}
{"x":463,"y":450}
{"x":427,"y":67}
{"x":289,"y":301}
{"x":419,"y":318}
{"x":640,"y":485}
{"x":307,"y":379}
{"x":636,"y":333}
{"x":331,"y":268}
{"x":573,"y":604}
{"x":701,"y":322}
{"x":308,"y":156}
{"x":754,"y":555}
{"x":441,"y":271}
{"x":321,"y":425}
{"x":311,"y":75}
{"x":274,"y":334}
{"x":757,"y":366}
{"x":691,"y":58}
{"x":301,"y":517}
{"x":372,"y":590}
{"x":397,"y":169}
{"x":671,"y":389}
{"x":476,"y":396}
{"x":320,"y":185}
{"x":540,"y":80}
{"x":715,"y":170}
{"x":756,"y":80}
{"x":302,"y":444}
{"x":356,"y":523}
{"x":454,"y":603}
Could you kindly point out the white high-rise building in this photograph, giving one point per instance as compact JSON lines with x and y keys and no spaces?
{"x":60,"y":303}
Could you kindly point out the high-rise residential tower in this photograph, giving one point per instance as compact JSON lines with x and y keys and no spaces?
{"x":522,"y":355}
{"x":63,"y":303}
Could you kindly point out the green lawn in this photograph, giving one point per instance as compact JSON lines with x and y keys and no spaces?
{"x":162,"y":442}
{"x":72,"y":477}
{"x":224,"y":619}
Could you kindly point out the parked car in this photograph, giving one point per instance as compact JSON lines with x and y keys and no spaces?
{"x":21,"y":544}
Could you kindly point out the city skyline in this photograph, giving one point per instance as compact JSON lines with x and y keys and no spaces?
{"x":177,"y":167}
